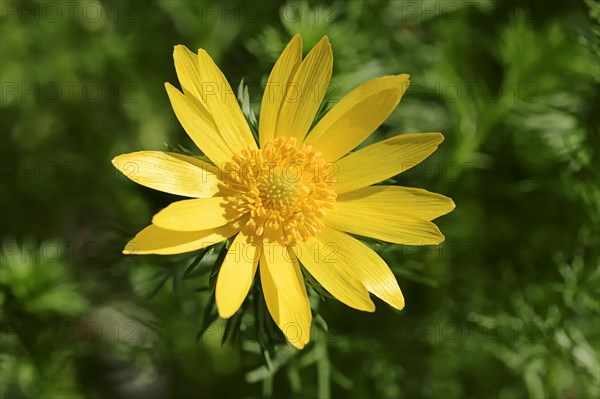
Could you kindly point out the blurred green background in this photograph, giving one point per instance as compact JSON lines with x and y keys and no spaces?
{"x":507,"y":307}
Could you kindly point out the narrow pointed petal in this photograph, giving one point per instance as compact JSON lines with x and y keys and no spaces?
{"x":356,"y":116}
{"x":367,"y":266}
{"x":275,"y":89}
{"x":285,"y":293}
{"x":382,"y":224}
{"x":270,"y":292}
{"x":324,"y":262}
{"x":396,"y":200}
{"x":188,"y":72}
{"x":193,"y":215}
{"x":383,"y":160}
{"x":236,"y":275}
{"x":200,"y":126}
{"x":223,"y":105}
{"x":157,"y":241}
{"x":306,"y":91}
{"x":169,"y":172}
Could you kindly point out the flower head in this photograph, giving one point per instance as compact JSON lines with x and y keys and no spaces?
{"x":291,"y":200}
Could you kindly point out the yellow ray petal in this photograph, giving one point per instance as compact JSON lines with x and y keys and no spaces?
{"x":394,"y":200}
{"x":383,"y":160}
{"x":382,"y":223}
{"x":223,"y":105}
{"x":154,"y":240}
{"x":200,"y":126}
{"x":193,"y":215}
{"x":276,"y":86}
{"x":285,"y":293}
{"x":357,"y":115}
{"x":269,"y":291}
{"x":169,"y":172}
{"x":306,"y":91}
{"x":328,"y":266}
{"x":236,"y":275}
{"x":188,"y":72}
{"x":366,"y":266}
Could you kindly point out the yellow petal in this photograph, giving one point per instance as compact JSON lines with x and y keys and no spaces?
{"x":269,"y":291}
{"x":236,"y":275}
{"x":325,"y":262}
{"x":356,"y":116}
{"x":169,"y":172}
{"x":285,"y":293}
{"x":382,"y":223}
{"x":200,"y":126}
{"x":394,"y":200}
{"x":366,"y":266}
{"x":383,"y":160}
{"x":223,"y":105}
{"x":305,"y":93}
{"x":276,"y":86}
{"x":186,"y":65}
{"x":193,"y":215}
{"x":154,"y":240}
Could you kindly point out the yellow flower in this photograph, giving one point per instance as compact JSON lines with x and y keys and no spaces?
{"x":290,"y":200}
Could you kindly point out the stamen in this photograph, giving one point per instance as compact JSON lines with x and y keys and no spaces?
{"x":284,"y":190}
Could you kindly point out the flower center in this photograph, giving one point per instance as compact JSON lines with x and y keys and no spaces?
{"x":283,"y":190}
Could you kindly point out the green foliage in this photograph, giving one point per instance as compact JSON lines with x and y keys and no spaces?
{"x":38,"y":282}
{"x":552,"y":343}
{"x":37,"y":292}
